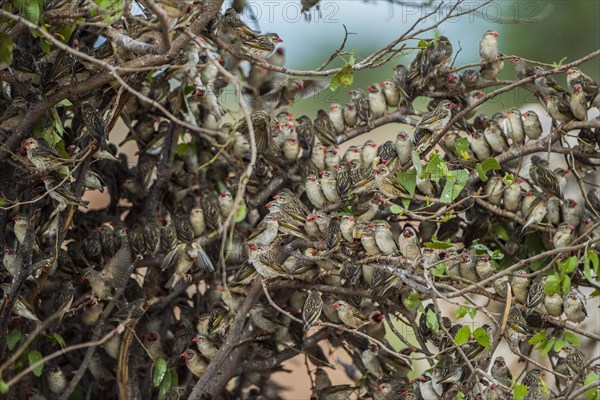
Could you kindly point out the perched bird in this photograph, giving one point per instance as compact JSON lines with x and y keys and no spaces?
{"x":574,"y":308}
{"x":385,"y":238}
{"x":501,"y":372}
{"x":391,"y":93}
{"x":404,"y":147}
{"x":57,"y":381}
{"x":470,"y":77}
{"x":43,"y":156}
{"x":408,"y":243}
{"x":491,"y":69}
{"x":400,"y":79}
{"x":94,"y":124}
{"x":535,"y":296}
{"x":578,"y":103}
{"x":479,"y":146}
{"x":361,"y":104}
{"x":266,"y":231}
{"x":350,"y":315}
{"x":488,"y":46}
{"x":231,"y":21}
{"x":520,"y":286}
{"x":553,"y":303}
{"x":494,"y":135}
{"x":14,"y":114}
{"x":545,"y":85}
{"x":306,"y":133}
{"x":516,"y":326}
{"x":588,"y":85}
{"x":513,"y":126}
{"x":311,"y":310}
{"x":428,"y":61}
{"x":337,"y":117}
{"x":194,"y":362}
{"x":559,"y":108}
{"x":563,"y":236}
{"x":532,"y":125}
{"x":433,"y":122}
{"x":377,"y":101}
{"x":544,"y":177}
{"x":350,"y":115}
{"x":262,"y":123}
{"x":575,"y":359}
{"x":387,"y":183}
{"x":324,"y":129}
{"x":261,"y":46}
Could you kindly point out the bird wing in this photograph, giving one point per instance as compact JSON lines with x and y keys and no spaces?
{"x":116,"y":271}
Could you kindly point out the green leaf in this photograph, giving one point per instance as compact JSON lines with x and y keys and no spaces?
{"x":34,"y":356}
{"x":343,"y":77}
{"x":174,"y":377}
{"x":423,"y":44}
{"x":482,"y":337}
{"x":587,"y":271}
{"x":485,"y":166}
{"x":572,"y":338}
{"x":462,"y":148}
{"x":566,"y":284}
{"x":455,"y":183}
{"x":552,"y":285}
{"x":509,"y":179}
{"x":13,"y":338}
{"x":519,"y":391}
{"x":396,"y":209}
{"x":57,"y":339}
{"x":459,"y":396}
{"x":432,"y":321}
{"x":461,"y":312}
{"x":416,"y":159}
{"x":501,"y":232}
{"x":559,"y":344}
{"x":412,"y":301}
{"x":472,"y":313}
{"x":240,"y":213}
{"x":537,"y":338}
{"x":408,"y":180}
{"x":439,"y":245}
{"x":436,"y":168}
{"x":30,"y":9}
{"x":569,"y":265}
{"x":593,"y":393}
{"x":496,"y":254}
{"x":3,"y":387}
{"x":439,"y":270}
{"x":591,"y":257}
{"x":558,"y":64}
{"x":463,"y":335}
{"x":159,"y":369}
{"x":549,"y":345}
{"x":6,"y":49}
{"x":165,"y":385}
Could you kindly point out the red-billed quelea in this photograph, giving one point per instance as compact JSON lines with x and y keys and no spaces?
{"x":385,"y":238}
{"x":574,"y":308}
{"x":349,"y":315}
{"x":532,"y":125}
{"x":488,"y":45}
{"x":377,"y":101}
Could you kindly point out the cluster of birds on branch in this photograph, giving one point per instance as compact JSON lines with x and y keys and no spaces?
{"x":345,"y":241}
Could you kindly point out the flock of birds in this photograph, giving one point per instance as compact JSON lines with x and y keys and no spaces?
{"x":311,"y":214}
